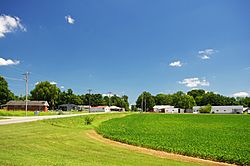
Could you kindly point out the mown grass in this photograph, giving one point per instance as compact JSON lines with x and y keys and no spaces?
{"x":31,"y":113}
{"x":217,"y":137}
{"x":65,"y":142}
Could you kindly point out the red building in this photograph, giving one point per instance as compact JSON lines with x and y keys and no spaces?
{"x":32,"y":105}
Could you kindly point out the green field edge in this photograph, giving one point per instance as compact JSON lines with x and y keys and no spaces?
{"x":208,"y":157}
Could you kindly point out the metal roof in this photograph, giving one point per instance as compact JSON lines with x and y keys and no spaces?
{"x":33,"y":103}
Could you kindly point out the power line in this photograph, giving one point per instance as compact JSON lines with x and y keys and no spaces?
{"x":14,"y":79}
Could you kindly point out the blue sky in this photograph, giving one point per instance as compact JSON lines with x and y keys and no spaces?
{"x":126,"y":47}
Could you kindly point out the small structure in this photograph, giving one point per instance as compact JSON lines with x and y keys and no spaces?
{"x":238,"y":109}
{"x":115,"y":108}
{"x":246,"y":110}
{"x":31,"y":105}
{"x":100,"y":109}
{"x":167,"y":109}
{"x":67,"y":107}
{"x":83,"y":107}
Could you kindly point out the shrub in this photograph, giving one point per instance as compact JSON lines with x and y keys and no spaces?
{"x":205,"y":109}
{"x":60,"y":112}
{"x":88,"y":120}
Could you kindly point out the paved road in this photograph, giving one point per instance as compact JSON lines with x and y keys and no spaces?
{"x":16,"y":119}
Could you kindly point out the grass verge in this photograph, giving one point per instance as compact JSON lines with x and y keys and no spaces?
{"x":65,"y":142}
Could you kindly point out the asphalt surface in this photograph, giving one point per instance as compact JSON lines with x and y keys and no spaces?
{"x":18,"y":119}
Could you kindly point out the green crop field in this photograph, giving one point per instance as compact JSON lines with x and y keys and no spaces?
{"x":217,"y":137}
{"x":65,"y":142}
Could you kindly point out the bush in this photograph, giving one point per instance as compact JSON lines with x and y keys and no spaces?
{"x":60,"y":112}
{"x":88,"y":120}
{"x":205,"y":109}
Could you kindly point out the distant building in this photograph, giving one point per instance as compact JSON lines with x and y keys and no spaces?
{"x":31,"y":105}
{"x":115,"y":108}
{"x":83,"y":107}
{"x":67,"y":107}
{"x":222,"y":109}
{"x":247,"y":110}
{"x":167,"y":109}
{"x":100,"y":109}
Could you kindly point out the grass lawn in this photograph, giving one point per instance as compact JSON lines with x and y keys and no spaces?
{"x":31,"y":113}
{"x":217,"y":137}
{"x":65,"y":142}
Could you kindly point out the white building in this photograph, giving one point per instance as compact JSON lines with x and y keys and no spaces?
{"x":167,"y":109}
{"x":100,"y":109}
{"x":222,"y":109}
{"x":115,"y":108}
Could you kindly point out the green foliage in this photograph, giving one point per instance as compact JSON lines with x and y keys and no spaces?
{"x":134,"y":108}
{"x":181,"y":100}
{"x":46,"y":91}
{"x":217,"y":137}
{"x":205,"y":109}
{"x":163,"y":99}
{"x":88,"y":120}
{"x":23,"y":113}
{"x":203,"y":98}
{"x":145,"y":100}
{"x":5,"y":94}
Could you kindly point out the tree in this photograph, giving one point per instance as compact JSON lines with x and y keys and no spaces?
{"x":196,"y":92}
{"x":46,"y":91}
{"x":70,"y":98}
{"x":163,"y":99}
{"x":5,"y":94}
{"x":205,"y":109}
{"x":146,"y":100}
{"x":181,"y":100}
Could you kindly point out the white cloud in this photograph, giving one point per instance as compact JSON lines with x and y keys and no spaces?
{"x":194,"y":82}
{"x":241,"y":94}
{"x":6,"y":62}
{"x":206,"y":54}
{"x":247,"y":68}
{"x":205,"y":57}
{"x":10,"y":24}
{"x":62,"y":87}
{"x":37,"y":83}
{"x":53,"y":83}
{"x":69,"y":19}
{"x":176,"y":64}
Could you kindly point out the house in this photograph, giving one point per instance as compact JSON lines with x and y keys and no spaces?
{"x":115,"y":108}
{"x":67,"y":107}
{"x":167,"y":109}
{"x":100,"y":109}
{"x":31,"y":105}
{"x":222,"y":109}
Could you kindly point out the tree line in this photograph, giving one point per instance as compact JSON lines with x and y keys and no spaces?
{"x":199,"y":97}
{"x":55,"y":97}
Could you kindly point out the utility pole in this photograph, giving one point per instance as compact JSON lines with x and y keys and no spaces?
{"x":109,"y":97}
{"x":89,"y":90}
{"x":26,"y":78}
{"x":145,"y":105}
{"x":142,"y":104}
